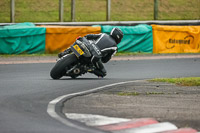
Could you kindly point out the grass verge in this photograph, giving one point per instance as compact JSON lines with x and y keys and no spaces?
{"x":132,"y":53}
{"x":137,"y":93}
{"x":26,"y":55}
{"x":188,"y":81}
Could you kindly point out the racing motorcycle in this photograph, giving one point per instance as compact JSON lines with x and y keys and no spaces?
{"x":78,"y":62}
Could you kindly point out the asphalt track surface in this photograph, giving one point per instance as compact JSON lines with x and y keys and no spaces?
{"x":26,"y":89}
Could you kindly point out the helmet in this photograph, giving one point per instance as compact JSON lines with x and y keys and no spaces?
{"x":117,"y":34}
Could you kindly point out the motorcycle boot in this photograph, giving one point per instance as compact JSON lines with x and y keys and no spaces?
{"x":100,"y":71}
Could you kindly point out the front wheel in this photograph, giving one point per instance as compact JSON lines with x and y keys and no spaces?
{"x":59,"y":69}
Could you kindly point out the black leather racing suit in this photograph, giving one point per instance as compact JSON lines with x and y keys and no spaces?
{"x":108,"y":48}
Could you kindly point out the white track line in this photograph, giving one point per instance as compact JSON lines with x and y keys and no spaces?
{"x":95,"y":120}
{"x":51,"y":109}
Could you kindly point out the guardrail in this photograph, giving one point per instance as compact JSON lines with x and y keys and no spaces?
{"x":127,"y":23}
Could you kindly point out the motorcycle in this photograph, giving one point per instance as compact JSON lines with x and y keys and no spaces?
{"x":78,"y":62}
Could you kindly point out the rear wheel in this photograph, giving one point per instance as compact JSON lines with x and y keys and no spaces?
{"x":59,"y":69}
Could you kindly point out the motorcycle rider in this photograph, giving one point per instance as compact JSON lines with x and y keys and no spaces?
{"x":107,"y":45}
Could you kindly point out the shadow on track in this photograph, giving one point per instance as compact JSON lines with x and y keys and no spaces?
{"x":82,"y":79}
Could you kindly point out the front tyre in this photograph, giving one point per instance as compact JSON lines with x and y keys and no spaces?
{"x":59,"y":69}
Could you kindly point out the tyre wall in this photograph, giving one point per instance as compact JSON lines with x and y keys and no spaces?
{"x":22,"y":38}
{"x":58,"y":38}
{"x":28,"y":38}
{"x":176,"y":39}
{"x":136,"y":38}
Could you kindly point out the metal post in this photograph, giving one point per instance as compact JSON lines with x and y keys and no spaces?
{"x":155,"y":9}
{"x":12,"y":11}
{"x":61,"y":10}
{"x":73,"y":11}
{"x":108,"y":10}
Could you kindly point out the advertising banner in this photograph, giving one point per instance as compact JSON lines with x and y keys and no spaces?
{"x":176,"y":39}
{"x":136,"y":38}
{"x":59,"y":38}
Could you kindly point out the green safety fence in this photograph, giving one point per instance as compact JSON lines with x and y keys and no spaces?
{"x":22,"y":38}
{"x":136,"y":38}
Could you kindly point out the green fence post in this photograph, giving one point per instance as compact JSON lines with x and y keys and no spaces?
{"x":155,"y":9}
{"x":108,"y":10}
{"x":12,"y":11}
{"x":73,"y":10}
{"x":61,"y":5}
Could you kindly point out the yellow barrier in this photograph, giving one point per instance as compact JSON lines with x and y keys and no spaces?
{"x":176,"y":39}
{"x":59,"y":38}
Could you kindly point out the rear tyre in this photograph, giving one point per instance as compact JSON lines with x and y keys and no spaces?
{"x":59,"y":69}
